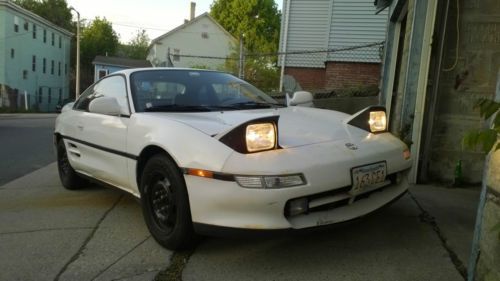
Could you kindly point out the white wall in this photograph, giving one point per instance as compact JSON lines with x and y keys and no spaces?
{"x":189,"y":41}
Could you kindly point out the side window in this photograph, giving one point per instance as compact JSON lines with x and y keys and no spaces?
{"x":113,"y":86}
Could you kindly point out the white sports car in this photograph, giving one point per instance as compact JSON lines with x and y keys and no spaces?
{"x":205,"y":151}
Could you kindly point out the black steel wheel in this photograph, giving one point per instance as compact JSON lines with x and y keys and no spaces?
{"x":69,"y":178}
{"x":165,"y":204}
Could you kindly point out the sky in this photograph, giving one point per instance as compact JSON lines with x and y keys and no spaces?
{"x":128,"y":16}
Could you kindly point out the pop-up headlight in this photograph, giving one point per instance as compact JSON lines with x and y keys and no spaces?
{"x":377,"y":121}
{"x":260,"y":137}
{"x":253,"y":136}
{"x":372,"y":119}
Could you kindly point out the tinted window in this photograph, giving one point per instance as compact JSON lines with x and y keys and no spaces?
{"x":113,"y":86}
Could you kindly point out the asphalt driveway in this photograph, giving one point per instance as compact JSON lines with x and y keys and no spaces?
{"x":48,"y":233}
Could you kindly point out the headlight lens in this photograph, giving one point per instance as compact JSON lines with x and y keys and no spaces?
{"x":260,"y":137}
{"x":270,"y":182}
{"x":377,"y":121}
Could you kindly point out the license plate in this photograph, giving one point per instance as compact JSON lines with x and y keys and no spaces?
{"x":367,"y":175}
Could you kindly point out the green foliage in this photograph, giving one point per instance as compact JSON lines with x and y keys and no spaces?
{"x":485,"y":137}
{"x":262,"y":72}
{"x":258,"y":20}
{"x":55,"y":11}
{"x":98,"y":38}
{"x":137,"y":47}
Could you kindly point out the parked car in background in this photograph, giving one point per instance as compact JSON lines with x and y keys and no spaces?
{"x":204,"y":151}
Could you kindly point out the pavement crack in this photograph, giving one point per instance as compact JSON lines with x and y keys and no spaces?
{"x":427,"y":218}
{"x":178,"y":262}
{"x":120,"y":258}
{"x":87,"y":240}
{"x":45,"y":229}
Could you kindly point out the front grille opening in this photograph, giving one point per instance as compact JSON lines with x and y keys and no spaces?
{"x":341,"y":191}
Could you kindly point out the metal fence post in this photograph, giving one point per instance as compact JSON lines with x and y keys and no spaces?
{"x":241,"y":73}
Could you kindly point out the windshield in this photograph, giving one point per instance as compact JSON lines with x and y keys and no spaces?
{"x":194,"y":90}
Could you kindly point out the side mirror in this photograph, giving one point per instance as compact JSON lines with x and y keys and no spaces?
{"x":301,"y":98}
{"x":105,"y":105}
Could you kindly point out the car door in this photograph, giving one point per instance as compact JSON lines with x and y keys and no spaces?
{"x":101,"y":138}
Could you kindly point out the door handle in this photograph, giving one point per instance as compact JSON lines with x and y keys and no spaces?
{"x":79,"y":127}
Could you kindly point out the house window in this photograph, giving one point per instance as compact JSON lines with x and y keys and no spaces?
{"x":65,"y":68}
{"x":53,"y":38}
{"x":16,"y":24}
{"x":204,"y":35}
{"x":25,"y":74}
{"x":12,"y":53}
{"x":26,"y":25}
{"x":44,"y":36}
{"x":34,"y":31}
{"x":60,"y":43}
{"x":33,"y":63}
{"x":49,"y":98}
{"x":59,"y":69}
{"x":177,"y":55}
{"x":102,"y":73}
{"x":44,"y":65}
{"x":60,"y":96}
{"x":52,"y":67}
{"x":40,"y":92}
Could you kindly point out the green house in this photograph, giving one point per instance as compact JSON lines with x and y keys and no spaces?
{"x":34,"y":60}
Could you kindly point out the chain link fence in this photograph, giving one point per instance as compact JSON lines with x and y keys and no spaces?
{"x":318,"y":71}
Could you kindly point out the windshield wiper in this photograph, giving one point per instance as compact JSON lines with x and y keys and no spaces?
{"x":253,"y":104}
{"x":178,"y":108}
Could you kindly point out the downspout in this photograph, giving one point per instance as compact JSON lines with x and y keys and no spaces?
{"x":285,"y":43}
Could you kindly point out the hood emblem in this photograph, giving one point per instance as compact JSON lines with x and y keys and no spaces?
{"x":351,"y":146}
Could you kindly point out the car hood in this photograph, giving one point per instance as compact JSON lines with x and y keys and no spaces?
{"x":297,"y":126}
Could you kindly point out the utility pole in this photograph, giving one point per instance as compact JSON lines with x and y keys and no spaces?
{"x":241,"y":73}
{"x":77,"y":88}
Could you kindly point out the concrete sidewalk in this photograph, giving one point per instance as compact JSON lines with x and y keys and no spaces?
{"x":49,"y":233}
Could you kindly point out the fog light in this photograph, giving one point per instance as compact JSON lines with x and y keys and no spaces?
{"x":283,"y":181}
{"x":270,"y":182}
{"x":297,"y":206}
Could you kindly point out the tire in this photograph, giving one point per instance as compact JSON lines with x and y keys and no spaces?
{"x":69,"y":178}
{"x":165,"y":204}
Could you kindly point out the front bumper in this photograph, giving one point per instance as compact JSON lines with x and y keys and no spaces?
{"x":226,"y":204}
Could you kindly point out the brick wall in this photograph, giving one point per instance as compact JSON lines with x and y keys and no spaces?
{"x":310,"y":79}
{"x":340,"y":75}
{"x":336,"y":75}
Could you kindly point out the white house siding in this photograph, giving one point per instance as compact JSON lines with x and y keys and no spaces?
{"x":354,"y":23}
{"x":188,"y":40}
{"x":308,"y":29}
{"x":332,"y":24}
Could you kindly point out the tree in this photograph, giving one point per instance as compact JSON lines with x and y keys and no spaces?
{"x":98,"y":38}
{"x":137,"y":47}
{"x":55,"y":11}
{"x":257,"y":20}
